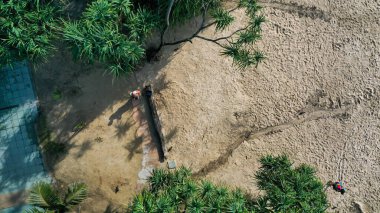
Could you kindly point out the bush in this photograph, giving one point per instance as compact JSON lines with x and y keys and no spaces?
{"x":177,"y":192}
{"x":111,"y":32}
{"x":290,"y":189}
{"x":286,"y":189}
{"x":27,"y":29}
{"x":115,"y":31}
{"x":46,"y":198}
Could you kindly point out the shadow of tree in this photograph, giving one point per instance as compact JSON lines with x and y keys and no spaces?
{"x":171,"y":134}
{"x":134,"y":147}
{"x":112,"y":209}
{"x":119,"y":112}
{"x":122,"y":128}
{"x":87,"y":145}
{"x":162,"y":83}
{"x":97,"y":95}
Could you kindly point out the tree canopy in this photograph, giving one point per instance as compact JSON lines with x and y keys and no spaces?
{"x":287,"y":189}
{"x":27,"y":30}
{"x":45,"y":198}
{"x":115,"y":32}
{"x":112,"y":32}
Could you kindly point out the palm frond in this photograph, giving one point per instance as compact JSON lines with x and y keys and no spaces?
{"x":196,"y":205}
{"x":164,"y":203}
{"x":43,"y":195}
{"x":288,"y":188}
{"x":124,"y":6}
{"x":248,"y":37}
{"x":37,"y":210}
{"x":76,"y":193}
{"x":222,"y":18}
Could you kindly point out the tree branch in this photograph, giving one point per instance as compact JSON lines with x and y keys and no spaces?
{"x":195,"y":34}
{"x":167,"y":24}
{"x":203,"y":27}
{"x":207,"y":39}
{"x":224,"y":38}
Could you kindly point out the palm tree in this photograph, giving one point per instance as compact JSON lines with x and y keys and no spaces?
{"x":176,"y":191}
{"x":239,"y":45}
{"x":115,"y":32}
{"x":111,"y":32}
{"x":45,"y":198}
{"x":289,"y":189}
{"x":27,"y":29}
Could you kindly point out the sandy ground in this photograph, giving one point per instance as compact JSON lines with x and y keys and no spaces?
{"x":315,"y":98}
{"x":108,"y":151}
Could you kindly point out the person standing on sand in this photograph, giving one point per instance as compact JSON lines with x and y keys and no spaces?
{"x":135,"y":94}
{"x":338,"y":186}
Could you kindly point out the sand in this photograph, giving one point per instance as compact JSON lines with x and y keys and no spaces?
{"x":108,"y":151}
{"x":315,"y":98}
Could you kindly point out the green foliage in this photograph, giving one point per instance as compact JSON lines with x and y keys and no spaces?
{"x":240,"y":44}
{"x":45,"y":139}
{"x":45,"y":198}
{"x":111,"y":31}
{"x":38,"y":210}
{"x":76,"y":193}
{"x":287,"y":189}
{"x":27,"y":29}
{"x":114,"y":31}
{"x":57,"y":94}
{"x":290,"y":189}
{"x":241,"y":49}
{"x":178,"y":192}
{"x":79,"y":126}
{"x":251,"y":7}
{"x":184,"y":10}
{"x":222,"y":18}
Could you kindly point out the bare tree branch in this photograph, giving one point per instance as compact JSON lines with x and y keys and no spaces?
{"x":224,"y":38}
{"x":168,"y":12}
{"x":201,"y":28}
{"x":207,"y":39}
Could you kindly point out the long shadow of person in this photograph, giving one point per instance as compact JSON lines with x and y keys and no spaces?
{"x":119,"y":112}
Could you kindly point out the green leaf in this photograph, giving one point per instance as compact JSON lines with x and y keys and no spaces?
{"x":248,"y":37}
{"x":44,"y":196}
{"x":222,"y":18}
{"x":196,"y":205}
{"x":164,"y":203}
{"x":76,"y":193}
{"x":257,"y":21}
{"x":36,"y":210}
{"x":290,"y":189}
{"x":251,"y":7}
{"x":124,"y":6}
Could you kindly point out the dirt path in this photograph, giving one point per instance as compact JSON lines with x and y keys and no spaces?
{"x":314,"y":115}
